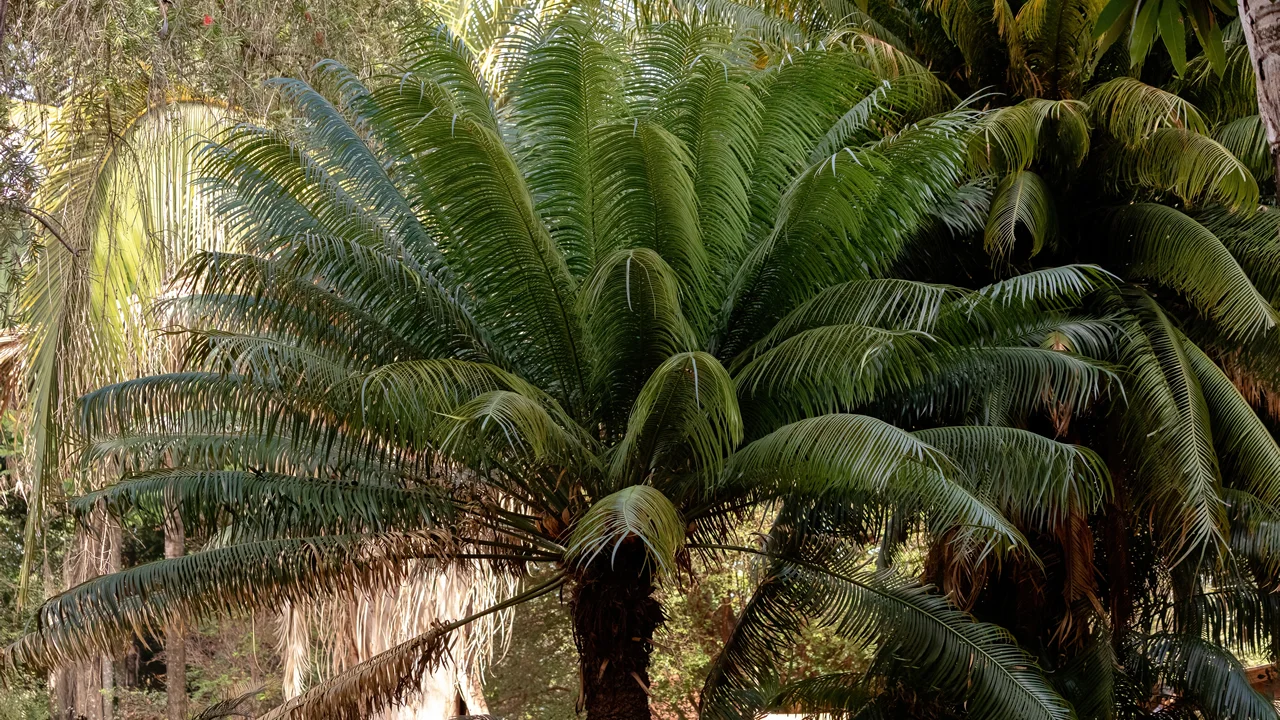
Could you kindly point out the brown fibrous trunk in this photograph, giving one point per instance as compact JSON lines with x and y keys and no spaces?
{"x":614,"y":618}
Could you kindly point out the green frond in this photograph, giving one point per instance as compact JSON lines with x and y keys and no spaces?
{"x":1022,"y":201}
{"x":800,"y":100}
{"x":1131,"y":111}
{"x":837,"y":458}
{"x":97,"y":615}
{"x":640,"y":512}
{"x":826,"y":368}
{"x":566,"y":86}
{"x":1168,"y":247}
{"x":1227,"y":93}
{"x":501,"y":423}
{"x":1055,"y":45}
{"x":890,"y":304}
{"x":1010,"y":138}
{"x":978,"y":662}
{"x":648,"y":200}
{"x":1031,"y":479}
{"x":1242,"y":438}
{"x":522,"y":286}
{"x":1254,"y":241}
{"x":1246,"y":140}
{"x":268,"y":505}
{"x":440,"y":57}
{"x":839,"y":694}
{"x":633,"y":320}
{"x":1255,"y":529}
{"x":1195,"y":167}
{"x":685,"y":418}
{"x":1055,"y":288}
{"x":1178,"y":458}
{"x":846,"y":218}
{"x":343,"y":151}
{"x":1002,"y":384}
{"x":406,"y":401}
{"x":887,"y":107}
{"x":715,"y":114}
{"x":1089,"y":680}
{"x":1211,"y":676}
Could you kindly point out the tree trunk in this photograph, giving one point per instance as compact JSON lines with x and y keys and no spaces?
{"x":85,"y":690}
{"x":1260,"y":21}
{"x":614,"y":618}
{"x":175,"y":639}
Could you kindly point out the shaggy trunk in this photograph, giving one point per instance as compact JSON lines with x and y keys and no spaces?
{"x":1260,"y":21}
{"x":614,"y":617}
{"x":175,"y":640}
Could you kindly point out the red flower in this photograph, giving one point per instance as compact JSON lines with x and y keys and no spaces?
{"x":208,"y":20}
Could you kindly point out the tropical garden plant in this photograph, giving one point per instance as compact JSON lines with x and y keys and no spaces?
{"x":593,"y":306}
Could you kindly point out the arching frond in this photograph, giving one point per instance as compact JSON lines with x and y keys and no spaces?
{"x":639,"y":511}
{"x":1246,"y":140}
{"x":890,"y":304}
{"x":1022,"y":201}
{"x":980,"y":662}
{"x":1169,"y":247}
{"x":835,"y":457}
{"x":1243,"y":439}
{"x":1131,"y":111}
{"x":1031,"y":479}
{"x":633,"y":320}
{"x":568,"y":84}
{"x":266,"y":505}
{"x":648,"y":200}
{"x":519,"y":277}
{"x":878,"y":195}
{"x":1209,"y":675}
{"x":97,"y":615}
{"x":685,"y":418}
{"x":1178,"y":458}
{"x":1192,"y":166}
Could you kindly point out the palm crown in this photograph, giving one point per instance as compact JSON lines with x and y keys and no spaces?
{"x":594,"y":309}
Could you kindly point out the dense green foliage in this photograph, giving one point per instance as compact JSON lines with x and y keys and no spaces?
{"x":994,"y":365}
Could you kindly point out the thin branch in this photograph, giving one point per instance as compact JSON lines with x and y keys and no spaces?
{"x":31,"y":213}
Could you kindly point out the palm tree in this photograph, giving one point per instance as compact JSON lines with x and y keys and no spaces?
{"x":589,"y":313}
{"x":1141,"y":604}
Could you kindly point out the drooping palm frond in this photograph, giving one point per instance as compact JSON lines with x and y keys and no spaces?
{"x":208,"y":500}
{"x":636,"y":512}
{"x":843,"y":456}
{"x":1194,"y":167}
{"x":1131,"y":111}
{"x":1031,"y":479}
{"x":1209,"y":676}
{"x":1179,"y":458}
{"x":1022,"y":201}
{"x":685,"y":418}
{"x":138,"y":602}
{"x":1171,"y":248}
{"x":994,"y":677}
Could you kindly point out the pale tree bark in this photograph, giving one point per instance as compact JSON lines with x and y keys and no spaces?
{"x":175,"y":638}
{"x":1260,"y":21}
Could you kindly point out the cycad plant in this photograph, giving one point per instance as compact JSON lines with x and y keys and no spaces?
{"x":594,"y":314}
